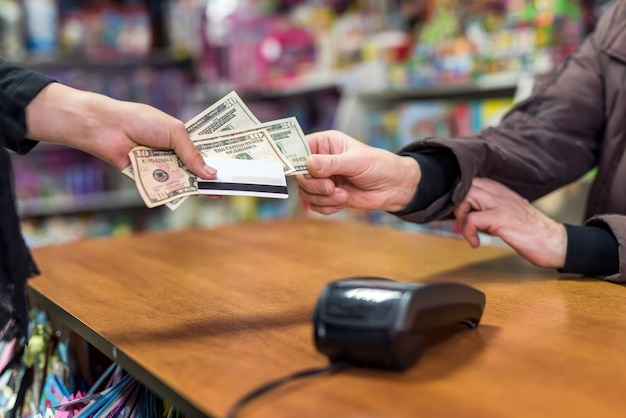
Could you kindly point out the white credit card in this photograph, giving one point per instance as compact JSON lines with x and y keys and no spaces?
{"x":245,"y":178}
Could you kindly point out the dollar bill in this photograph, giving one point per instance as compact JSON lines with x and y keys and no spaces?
{"x":286,"y":134}
{"x":160,"y":176}
{"x":228,"y":113}
{"x":173,"y":205}
{"x":250,"y":144}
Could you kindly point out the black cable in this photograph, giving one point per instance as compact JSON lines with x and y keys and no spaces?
{"x":331,"y":368}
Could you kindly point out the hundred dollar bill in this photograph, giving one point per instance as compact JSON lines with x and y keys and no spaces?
{"x":287,"y":134}
{"x":226,"y":114}
{"x":160,"y":176}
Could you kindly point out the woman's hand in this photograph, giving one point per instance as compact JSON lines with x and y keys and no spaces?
{"x":108,"y":128}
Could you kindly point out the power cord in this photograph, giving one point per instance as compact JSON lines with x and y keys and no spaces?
{"x":255,"y":393}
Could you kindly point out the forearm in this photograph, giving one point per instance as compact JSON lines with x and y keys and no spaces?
{"x":525,"y":151}
{"x":65,"y":115}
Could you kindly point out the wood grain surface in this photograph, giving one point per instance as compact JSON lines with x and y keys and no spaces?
{"x":204,"y":316}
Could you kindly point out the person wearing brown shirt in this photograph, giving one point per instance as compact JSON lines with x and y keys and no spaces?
{"x":575,"y":122}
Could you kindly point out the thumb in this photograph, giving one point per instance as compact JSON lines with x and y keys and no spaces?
{"x":327,"y":165}
{"x":192,"y":159}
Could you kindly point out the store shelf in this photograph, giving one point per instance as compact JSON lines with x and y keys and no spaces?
{"x":54,"y":205}
{"x":154,"y":59}
{"x":302,"y":85}
{"x":355,"y":105}
{"x":492,"y":85}
{"x":471,"y":90}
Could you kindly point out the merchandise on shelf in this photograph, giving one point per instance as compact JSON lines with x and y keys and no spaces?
{"x":417,"y":120}
{"x":183,"y":21}
{"x":104,"y":29}
{"x":60,"y":173}
{"x":458,"y":41}
{"x":11,"y":30}
{"x":41,"y":26}
{"x":49,"y":379}
{"x":380,"y":45}
{"x":277,"y":44}
{"x":166,"y":87}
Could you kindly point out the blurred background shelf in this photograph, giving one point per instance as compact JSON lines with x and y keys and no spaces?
{"x":62,"y":62}
{"x":385,"y":71}
{"x":69,"y":204}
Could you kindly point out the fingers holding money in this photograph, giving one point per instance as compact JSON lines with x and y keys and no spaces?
{"x":188,"y":154}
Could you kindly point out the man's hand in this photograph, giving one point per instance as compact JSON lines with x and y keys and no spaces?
{"x":495,"y":209}
{"x":346,"y":173}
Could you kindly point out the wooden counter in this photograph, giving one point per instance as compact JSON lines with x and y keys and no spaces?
{"x":204,"y":316}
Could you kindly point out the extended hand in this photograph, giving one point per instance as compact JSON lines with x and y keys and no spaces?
{"x":495,"y":209}
{"x":345,"y":172}
{"x":108,"y":128}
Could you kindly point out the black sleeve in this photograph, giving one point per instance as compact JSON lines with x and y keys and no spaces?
{"x":592,"y":250}
{"x":440,"y":173}
{"x":18,"y":86}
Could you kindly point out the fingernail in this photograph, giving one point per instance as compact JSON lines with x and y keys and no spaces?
{"x":340,"y":196}
{"x":210,"y":170}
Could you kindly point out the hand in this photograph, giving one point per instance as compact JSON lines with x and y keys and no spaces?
{"x":108,"y":128}
{"x":345,"y":172}
{"x":495,"y":209}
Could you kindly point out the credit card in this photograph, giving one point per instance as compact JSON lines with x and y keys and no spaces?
{"x":245,"y":178}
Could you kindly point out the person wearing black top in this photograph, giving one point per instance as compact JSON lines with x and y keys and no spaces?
{"x":35,"y":108}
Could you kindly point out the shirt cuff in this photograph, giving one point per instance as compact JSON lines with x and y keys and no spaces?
{"x":440,"y":173}
{"x":591,"y":250}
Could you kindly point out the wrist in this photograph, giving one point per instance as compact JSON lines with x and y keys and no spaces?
{"x":403,"y":192}
{"x":558,"y":247}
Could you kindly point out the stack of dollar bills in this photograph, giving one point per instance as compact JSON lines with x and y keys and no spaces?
{"x":226,"y":129}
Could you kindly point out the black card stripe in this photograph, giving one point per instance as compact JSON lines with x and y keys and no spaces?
{"x":243,"y":187}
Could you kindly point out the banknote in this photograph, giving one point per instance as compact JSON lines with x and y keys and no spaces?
{"x":249,"y":144}
{"x":173,"y":205}
{"x":287,"y":134}
{"x":162,"y":178}
{"x":228,"y":113}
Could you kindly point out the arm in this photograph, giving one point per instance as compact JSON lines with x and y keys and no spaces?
{"x":34,"y":106}
{"x":526,"y":150}
{"x":107,"y":128}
